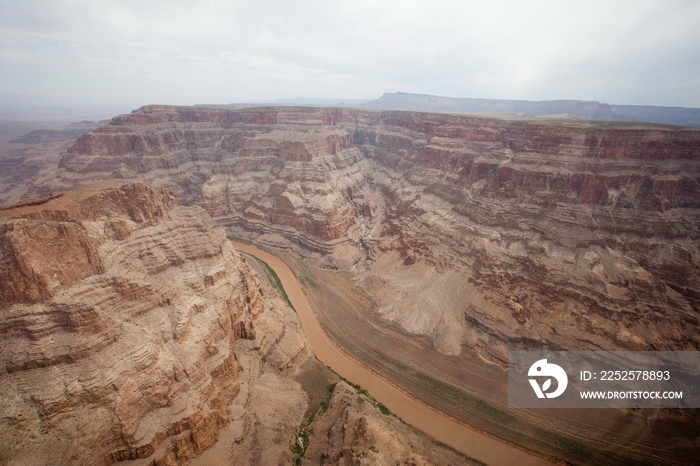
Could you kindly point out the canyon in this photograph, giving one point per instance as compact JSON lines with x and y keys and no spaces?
{"x":561,"y":109}
{"x":133,"y":332}
{"x":467,"y":236}
{"x":482,"y":233}
{"x":31,"y":158}
{"x":343,"y":416}
{"x":120,"y":315}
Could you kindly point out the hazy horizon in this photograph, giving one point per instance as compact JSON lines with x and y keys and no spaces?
{"x":130,"y":53}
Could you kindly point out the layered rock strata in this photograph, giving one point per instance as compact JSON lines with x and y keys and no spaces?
{"x":357,"y":430}
{"x":561,"y":109}
{"x":32,"y":160}
{"x":296,"y":174}
{"x":486,"y":233}
{"x":267,"y":412}
{"x":120,"y":314}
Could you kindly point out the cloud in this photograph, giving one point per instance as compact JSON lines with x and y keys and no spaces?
{"x":183,"y":52}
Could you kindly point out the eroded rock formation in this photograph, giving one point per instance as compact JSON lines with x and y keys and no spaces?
{"x":561,"y":109}
{"x":356,"y":430}
{"x":120,"y":312}
{"x":132,"y":331}
{"x":486,"y":233}
{"x":32,"y":160}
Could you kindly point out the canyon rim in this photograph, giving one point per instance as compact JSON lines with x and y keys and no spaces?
{"x":560,"y":235}
{"x":477,"y":235}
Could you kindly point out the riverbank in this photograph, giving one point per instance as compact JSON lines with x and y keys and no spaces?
{"x":443,"y":428}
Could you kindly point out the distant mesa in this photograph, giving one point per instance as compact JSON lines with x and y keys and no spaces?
{"x":55,"y":135}
{"x":586,"y":110}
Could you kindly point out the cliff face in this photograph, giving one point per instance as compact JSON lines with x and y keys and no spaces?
{"x":507,"y":234}
{"x":33,"y":158}
{"x":120,"y":312}
{"x":354,"y":430}
{"x":294,"y":174}
{"x":570,"y":238}
{"x":587,"y":110}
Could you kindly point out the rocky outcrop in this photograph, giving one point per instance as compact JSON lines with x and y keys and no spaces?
{"x":489,"y":233}
{"x":120,"y":314}
{"x":266,"y":414}
{"x":294,"y":182}
{"x":561,"y":234}
{"x":356,"y":430}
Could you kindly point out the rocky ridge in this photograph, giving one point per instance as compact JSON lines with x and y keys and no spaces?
{"x":355,"y":430}
{"x":562,"y":109}
{"x":132,"y":332}
{"x":589,"y":110}
{"x":508,"y":234}
{"x":120,"y":312}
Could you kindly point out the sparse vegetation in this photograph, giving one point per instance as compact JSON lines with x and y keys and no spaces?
{"x":240,"y":240}
{"x":318,"y":382}
{"x":471,"y":460}
{"x":383,"y":409}
{"x":275,"y":279}
{"x":464,"y":398}
{"x":300,"y":443}
{"x":391,"y":360}
{"x":380,"y":406}
{"x":301,"y":440}
{"x":359,"y":389}
{"x":305,"y":276}
{"x":308,"y":281}
{"x":323,"y":405}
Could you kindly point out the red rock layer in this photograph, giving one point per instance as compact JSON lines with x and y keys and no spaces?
{"x":568,"y":235}
{"x":119,"y":314}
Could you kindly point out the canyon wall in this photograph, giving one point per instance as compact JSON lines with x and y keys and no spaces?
{"x":120,"y":313}
{"x":356,"y":430}
{"x":562,"y":109}
{"x":32,"y":159}
{"x":487,"y":233}
{"x":132,"y":331}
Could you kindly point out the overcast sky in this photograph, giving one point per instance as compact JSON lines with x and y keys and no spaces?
{"x":197,"y":51}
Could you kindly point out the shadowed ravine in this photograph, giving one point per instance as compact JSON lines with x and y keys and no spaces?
{"x":440,"y":426}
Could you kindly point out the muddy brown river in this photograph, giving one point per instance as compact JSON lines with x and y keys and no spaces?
{"x":437,"y":424}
